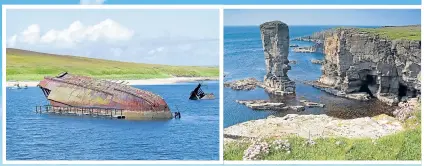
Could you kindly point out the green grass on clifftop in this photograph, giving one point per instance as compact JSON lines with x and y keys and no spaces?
{"x":401,"y":146}
{"x":398,"y":32}
{"x":405,"y":145}
{"x":28,"y":66}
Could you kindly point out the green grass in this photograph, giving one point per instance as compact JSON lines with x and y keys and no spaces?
{"x":393,"y":33}
{"x":404,"y":145}
{"x":26,"y":66}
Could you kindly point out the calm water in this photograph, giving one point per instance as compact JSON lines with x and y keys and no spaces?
{"x":244,"y":57}
{"x":195,"y":136}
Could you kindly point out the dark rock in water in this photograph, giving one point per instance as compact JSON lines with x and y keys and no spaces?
{"x":293,"y":62}
{"x":244,"y":84}
{"x":275,"y":42}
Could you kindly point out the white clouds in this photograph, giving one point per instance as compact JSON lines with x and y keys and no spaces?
{"x":156,"y":50}
{"x":31,"y":35}
{"x":92,"y":2}
{"x":77,"y":33}
{"x":11,"y":41}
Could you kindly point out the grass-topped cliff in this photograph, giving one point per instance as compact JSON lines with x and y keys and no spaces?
{"x":412,"y":32}
{"x":409,"y":32}
{"x":22,"y":65}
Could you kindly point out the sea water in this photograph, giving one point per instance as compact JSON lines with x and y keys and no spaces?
{"x":244,"y":57}
{"x":31,"y":136}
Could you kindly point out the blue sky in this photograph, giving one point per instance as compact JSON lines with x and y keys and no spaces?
{"x":365,"y":17}
{"x":175,"y":37}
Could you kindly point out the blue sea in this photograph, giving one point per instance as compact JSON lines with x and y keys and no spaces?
{"x":244,"y":57}
{"x":31,"y":136}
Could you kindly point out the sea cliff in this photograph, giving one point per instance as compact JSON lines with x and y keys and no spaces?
{"x":377,"y":61}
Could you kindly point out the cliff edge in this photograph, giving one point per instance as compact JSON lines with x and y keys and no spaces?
{"x":383,"y":62}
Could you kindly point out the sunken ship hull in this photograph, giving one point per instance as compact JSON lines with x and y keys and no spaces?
{"x":67,"y":90}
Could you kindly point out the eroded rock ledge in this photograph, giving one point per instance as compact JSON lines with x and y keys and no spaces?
{"x":268,"y":105}
{"x":315,"y":126}
{"x":244,"y":84}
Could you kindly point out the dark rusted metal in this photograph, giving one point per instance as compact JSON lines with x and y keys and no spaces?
{"x":198,"y":94}
{"x":67,"y":90}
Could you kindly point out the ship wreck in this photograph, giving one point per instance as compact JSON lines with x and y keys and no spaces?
{"x":198,"y":94}
{"x":74,"y":91}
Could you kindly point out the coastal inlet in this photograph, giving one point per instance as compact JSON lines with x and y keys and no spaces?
{"x":195,"y":136}
{"x":244,"y":57}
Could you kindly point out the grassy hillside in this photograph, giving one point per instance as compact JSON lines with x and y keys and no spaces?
{"x":22,"y":65}
{"x":412,"y":32}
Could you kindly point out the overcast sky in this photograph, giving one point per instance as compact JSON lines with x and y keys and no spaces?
{"x":324,"y":17}
{"x":175,"y":37}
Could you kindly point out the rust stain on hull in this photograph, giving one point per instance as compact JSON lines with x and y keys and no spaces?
{"x":67,"y":90}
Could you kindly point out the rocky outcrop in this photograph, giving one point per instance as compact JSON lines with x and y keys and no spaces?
{"x":311,"y":104}
{"x":407,"y":109}
{"x":358,"y":61}
{"x":362,"y":96}
{"x":268,"y":105}
{"x":315,"y":126}
{"x":316,"y":61}
{"x":275,"y":42}
{"x":244,"y":84}
{"x":318,"y":37}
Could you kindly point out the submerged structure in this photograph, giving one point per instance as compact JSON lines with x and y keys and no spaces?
{"x":198,"y":94}
{"x":67,"y":90}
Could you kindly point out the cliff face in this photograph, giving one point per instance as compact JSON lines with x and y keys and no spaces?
{"x":357,"y":61}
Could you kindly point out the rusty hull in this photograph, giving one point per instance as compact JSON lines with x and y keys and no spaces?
{"x":81,"y":91}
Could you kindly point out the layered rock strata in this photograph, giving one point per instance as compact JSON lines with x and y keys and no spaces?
{"x":357,"y":61}
{"x":244,"y":84}
{"x":275,"y":42}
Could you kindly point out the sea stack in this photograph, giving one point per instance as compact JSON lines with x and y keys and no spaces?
{"x":275,"y":42}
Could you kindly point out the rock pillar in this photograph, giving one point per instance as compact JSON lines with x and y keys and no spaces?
{"x":275,"y":41}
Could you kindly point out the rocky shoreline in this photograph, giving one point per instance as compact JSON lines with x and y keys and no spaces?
{"x":315,"y":126}
{"x":357,"y":65}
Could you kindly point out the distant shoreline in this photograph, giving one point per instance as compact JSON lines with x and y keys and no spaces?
{"x":155,"y":81}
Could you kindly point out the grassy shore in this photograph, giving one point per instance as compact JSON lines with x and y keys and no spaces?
{"x":405,"y":145}
{"x":401,"y":146}
{"x":25,"y":65}
{"x":397,"y":32}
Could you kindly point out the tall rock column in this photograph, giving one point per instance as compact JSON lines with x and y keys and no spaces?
{"x":275,"y":42}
